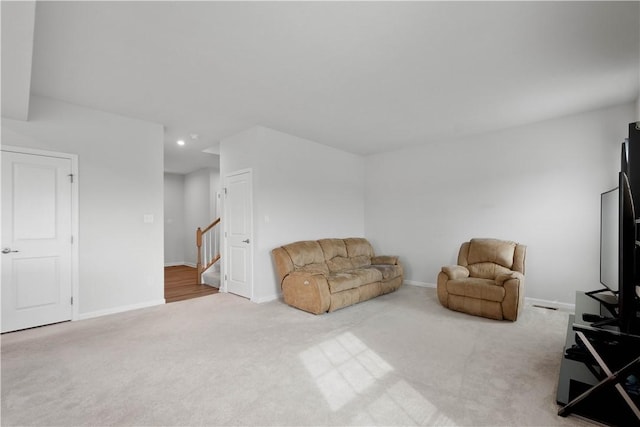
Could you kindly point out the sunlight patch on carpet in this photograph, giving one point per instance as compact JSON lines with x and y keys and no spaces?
{"x":401,"y":404}
{"x":343,"y":367}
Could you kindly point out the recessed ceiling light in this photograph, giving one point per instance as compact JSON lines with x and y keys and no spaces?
{"x":180,"y":142}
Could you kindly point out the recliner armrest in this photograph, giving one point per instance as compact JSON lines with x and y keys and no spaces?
{"x":501,"y":278}
{"x":455,"y":272}
{"x":384,"y":259}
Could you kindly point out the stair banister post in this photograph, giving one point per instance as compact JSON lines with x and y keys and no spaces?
{"x":199,"y":260}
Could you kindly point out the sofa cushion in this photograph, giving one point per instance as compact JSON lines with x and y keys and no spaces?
{"x":307,"y":256}
{"x":333,"y":248}
{"x":388,"y":271}
{"x":351,"y":279}
{"x":314,"y":268}
{"x":491,"y":250}
{"x":384,"y":259}
{"x":476,"y":288}
{"x":335,"y":254}
{"x":359,"y":250}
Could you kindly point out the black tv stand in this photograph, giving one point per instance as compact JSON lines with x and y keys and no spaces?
{"x":600,"y":369}
{"x":612,"y":380}
{"x":610,"y":302}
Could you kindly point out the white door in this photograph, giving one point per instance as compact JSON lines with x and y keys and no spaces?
{"x":239,"y":230}
{"x":36,"y":240}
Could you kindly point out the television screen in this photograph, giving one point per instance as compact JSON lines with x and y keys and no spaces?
{"x":609,"y":233}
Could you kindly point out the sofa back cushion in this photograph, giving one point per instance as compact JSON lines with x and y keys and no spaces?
{"x":307,"y":256}
{"x":335,"y":255}
{"x":488,"y":258}
{"x":359,"y":250}
{"x":491,"y":250}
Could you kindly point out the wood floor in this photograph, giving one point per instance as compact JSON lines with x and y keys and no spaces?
{"x":180,"y":283}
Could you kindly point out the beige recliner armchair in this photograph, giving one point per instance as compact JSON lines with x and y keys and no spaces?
{"x":488,"y":280}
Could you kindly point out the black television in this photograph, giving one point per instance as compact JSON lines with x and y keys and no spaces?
{"x":609,"y":238}
{"x":619,"y":256}
{"x":628,"y":277}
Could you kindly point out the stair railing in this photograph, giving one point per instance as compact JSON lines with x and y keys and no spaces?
{"x":208,"y":243}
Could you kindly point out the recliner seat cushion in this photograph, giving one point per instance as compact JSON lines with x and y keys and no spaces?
{"x":487,"y":270}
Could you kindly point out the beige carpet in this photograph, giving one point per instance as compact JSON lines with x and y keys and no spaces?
{"x":400,"y":359}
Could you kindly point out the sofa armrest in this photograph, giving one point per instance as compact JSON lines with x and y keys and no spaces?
{"x":307,"y":291}
{"x":455,"y":272}
{"x":384,"y":259}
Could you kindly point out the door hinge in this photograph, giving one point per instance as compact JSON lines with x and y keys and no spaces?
{"x":225,"y":191}
{"x":71,"y":300}
{"x":225,"y":277}
{"x":72,"y":239}
{"x":71,"y":177}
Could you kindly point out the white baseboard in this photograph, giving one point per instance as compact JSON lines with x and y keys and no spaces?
{"x":120,"y":309}
{"x":562,"y":306}
{"x":173,"y":264}
{"x":419,"y":284}
{"x":265,"y":299}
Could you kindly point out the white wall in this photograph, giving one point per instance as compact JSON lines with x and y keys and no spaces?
{"x":18,"y":21}
{"x":174,"y":225}
{"x":190,"y":202}
{"x":539,"y":185}
{"x":120,"y":180}
{"x":214,"y":188}
{"x":197,"y":209}
{"x":301,"y":190}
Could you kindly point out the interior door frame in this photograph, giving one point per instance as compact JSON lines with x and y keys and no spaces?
{"x":75,"y":270}
{"x":225,"y":265}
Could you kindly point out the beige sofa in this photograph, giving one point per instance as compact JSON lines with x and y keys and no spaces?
{"x":329,"y":274}
{"x":488,"y":280}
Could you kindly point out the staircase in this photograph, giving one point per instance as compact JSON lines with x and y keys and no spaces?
{"x":208,"y":244}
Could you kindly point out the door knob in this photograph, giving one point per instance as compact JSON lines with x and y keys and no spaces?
{"x":8,"y":250}
{"x":246,"y":241}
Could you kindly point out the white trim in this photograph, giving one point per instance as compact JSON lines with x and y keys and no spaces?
{"x":562,"y":306}
{"x":266,"y":299}
{"x":174,"y":264}
{"x":120,"y":309}
{"x":37,"y":152}
{"x":75,"y":227}
{"x":420,"y":284}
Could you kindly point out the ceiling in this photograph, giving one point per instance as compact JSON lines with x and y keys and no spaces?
{"x":365,"y":77}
